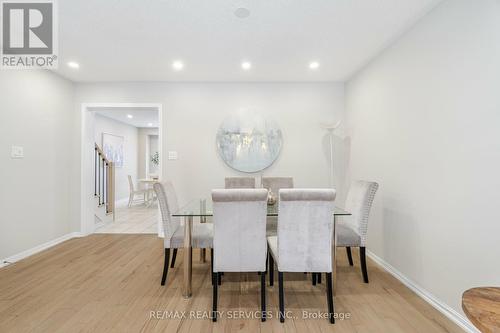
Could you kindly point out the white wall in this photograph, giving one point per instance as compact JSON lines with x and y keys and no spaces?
{"x":36,"y":112}
{"x":424,"y":122}
{"x":130,"y":151}
{"x":153,"y":148}
{"x":192,"y":113}
{"x":143,"y":151}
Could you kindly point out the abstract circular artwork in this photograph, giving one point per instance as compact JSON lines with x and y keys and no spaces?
{"x":249,"y":142}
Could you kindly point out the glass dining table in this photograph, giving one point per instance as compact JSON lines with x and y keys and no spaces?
{"x":202,"y":209}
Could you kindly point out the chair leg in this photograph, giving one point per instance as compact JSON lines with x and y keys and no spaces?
{"x":318,"y":277}
{"x":212,"y":265}
{"x":267,"y":255}
{"x":203,"y":253}
{"x":267,"y":261}
{"x":165,"y":267}
{"x":281,"y":297}
{"x":263,"y":295}
{"x":349,"y":255}
{"x":271,"y":270}
{"x":313,"y":276}
{"x":130,"y":200}
{"x":362,"y":258}
{"x":218,"y":278}
{"x":329,"y":296}
{"x":174,"y":255}
{"x":215,"y":276}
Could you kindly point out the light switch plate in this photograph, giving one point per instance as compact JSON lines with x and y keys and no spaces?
{"x":17,"y":152}
{"x":172,"y":155}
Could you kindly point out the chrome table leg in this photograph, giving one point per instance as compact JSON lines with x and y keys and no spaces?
{"x":188,"y":251}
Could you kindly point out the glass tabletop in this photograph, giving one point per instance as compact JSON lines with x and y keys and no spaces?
{"x":203,"y":207}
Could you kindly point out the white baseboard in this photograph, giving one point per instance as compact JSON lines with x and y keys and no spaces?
{"x":39,"y":248}
{"x":439,"y":305}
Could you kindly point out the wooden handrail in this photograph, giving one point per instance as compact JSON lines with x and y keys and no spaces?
{"x":110,"y":186}
{"x":99,"y":150}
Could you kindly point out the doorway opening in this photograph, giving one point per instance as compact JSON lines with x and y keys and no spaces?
{"x":121,"y":160}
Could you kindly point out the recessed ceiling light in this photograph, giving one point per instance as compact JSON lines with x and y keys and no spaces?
{"x":129,"y":116}
{"x":314,"y":65}
{"x":246,"y":65}
{"x":150,"y":124}
{"x":242,"y":12}
{"x":73,"y":64}
{"x":177,"y":65}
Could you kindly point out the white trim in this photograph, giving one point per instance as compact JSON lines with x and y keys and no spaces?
{"x":439,"y":305}
{"x":39,"y":248}
{"x":87,"y":225}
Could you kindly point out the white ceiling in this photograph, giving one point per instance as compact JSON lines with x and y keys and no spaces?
{"x":141,"y":117}
{"x":130,"y":40}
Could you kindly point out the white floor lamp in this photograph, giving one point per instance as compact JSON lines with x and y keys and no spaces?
{"x":331,"y":128}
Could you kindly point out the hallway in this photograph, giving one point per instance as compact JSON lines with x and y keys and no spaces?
{"x":137,"y":219}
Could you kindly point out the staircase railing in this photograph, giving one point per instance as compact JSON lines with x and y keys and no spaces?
{"x":104,"y":180}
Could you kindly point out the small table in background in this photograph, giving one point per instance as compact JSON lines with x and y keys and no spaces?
{"x":482,"y":307}
{"x":148,"y":182}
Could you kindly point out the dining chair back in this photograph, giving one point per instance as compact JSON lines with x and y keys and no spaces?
{"x":359,"y":202}
{"x":352,"y":230}
{"x":305,"y":240}
{"x":275,"y":184}
{"x":239,"y":243}
{"x":167,"y":200}
{"x":239,"y":218}
{"x":142,"y":193}
{"x":239,"y":182}
{"x":130,"y":184}
{"x":201,"y":233}
{"x":305,"y":226}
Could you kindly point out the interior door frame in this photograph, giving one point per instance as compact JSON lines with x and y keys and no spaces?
{"x":87,"y":223}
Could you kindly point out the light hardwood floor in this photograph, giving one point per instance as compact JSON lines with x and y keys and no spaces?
{"x":112,"y":283}
{"x":138,"y":219}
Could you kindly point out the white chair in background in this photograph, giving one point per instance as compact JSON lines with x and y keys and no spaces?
{"x":304,"y":242}
{"x":202,"y":233}
{"x":239,"y":218}
{"x":239,"y":182}
{"x":352,"y":230}
{"x":134,"y":193}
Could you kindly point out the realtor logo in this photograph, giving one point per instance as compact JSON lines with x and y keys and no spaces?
{"x":29,"y":33}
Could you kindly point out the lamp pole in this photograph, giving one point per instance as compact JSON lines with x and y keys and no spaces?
{"x":331,"y":128}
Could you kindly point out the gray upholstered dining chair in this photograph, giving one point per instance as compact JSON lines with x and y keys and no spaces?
{"x":275,"y":184}
{"x":352,"y":230}
{"x":239,"y":182}
{"x":202,"y":233}
{"x":239,"y":244}
{"x":304,"y":242}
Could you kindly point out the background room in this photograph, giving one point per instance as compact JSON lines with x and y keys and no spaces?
{"x":130,"y":137}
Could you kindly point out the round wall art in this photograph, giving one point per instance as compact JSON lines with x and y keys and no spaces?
{"x":249,"y":142}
